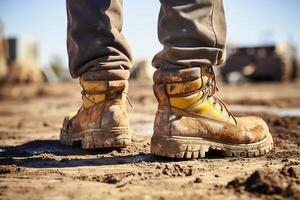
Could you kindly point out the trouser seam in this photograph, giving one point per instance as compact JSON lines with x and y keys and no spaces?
{"x":212,"y":23}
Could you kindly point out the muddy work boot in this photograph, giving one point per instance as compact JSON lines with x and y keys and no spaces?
{"x":102,"y":120}
{"x":190,"y":121}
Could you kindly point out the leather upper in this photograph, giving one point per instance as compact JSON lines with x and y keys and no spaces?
{"x":187,"y":108}
{"x":103,"y":107}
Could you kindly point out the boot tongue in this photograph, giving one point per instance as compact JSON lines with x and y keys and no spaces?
{"x":209,"y":81}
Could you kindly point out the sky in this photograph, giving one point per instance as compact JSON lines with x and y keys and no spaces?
{"x":250,"y":22}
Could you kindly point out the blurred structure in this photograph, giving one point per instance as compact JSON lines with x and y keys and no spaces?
{"x":18,"y":60}
{"x":59,"y":70}
{"x":3,"y":53}
{"x":23,"y":64}
{"x":261,"y":63}
{"x":142,"y":70}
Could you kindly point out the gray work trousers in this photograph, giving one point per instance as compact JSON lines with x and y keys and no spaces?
{"x":193,"y":33}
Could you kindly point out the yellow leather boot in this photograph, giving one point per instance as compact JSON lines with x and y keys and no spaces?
{"x":190,"y":120}
{"x":102,"y":121}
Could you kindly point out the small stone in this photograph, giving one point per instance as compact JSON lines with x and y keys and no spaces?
{"x":46,"y":124}
{"x":198,"y":180}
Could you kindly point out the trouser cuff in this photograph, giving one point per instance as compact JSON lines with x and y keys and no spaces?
{"x":180,"y":58}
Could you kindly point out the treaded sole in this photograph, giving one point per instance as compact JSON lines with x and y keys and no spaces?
{"x":191,"y":148}
{"x":97,"y":138}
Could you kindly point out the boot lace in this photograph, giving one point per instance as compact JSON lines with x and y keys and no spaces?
{"x":212,"y":89}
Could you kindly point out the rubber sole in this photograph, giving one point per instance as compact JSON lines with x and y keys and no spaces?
{"x":190,"y":147}
{"x":97,"y":138}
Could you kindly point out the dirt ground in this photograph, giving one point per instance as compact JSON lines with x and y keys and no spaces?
{"x":33,"y":164}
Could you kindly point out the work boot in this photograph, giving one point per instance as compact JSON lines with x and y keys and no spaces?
{"x":190,"y":121}
{"x":102,"y":121}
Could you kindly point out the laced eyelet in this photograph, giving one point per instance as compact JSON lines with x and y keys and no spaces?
{"x":211,"y":84}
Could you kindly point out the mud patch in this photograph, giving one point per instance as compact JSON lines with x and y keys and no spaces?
{"x":175,"y":170}
{"x":116,"y":178}
{"x":284,"y":182}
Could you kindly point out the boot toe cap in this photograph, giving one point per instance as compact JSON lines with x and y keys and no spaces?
{"x":255,"y":128}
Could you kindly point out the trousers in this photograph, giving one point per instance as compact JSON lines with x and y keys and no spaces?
{"x":192,"y":32}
